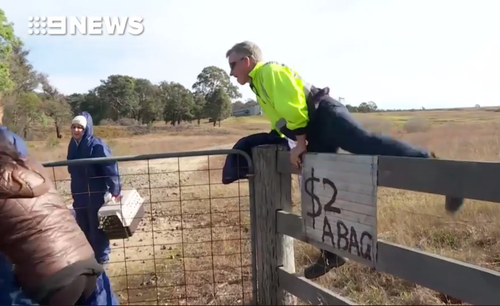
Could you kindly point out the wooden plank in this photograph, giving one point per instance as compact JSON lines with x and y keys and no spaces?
{"x":284,"y":165}
{"x":355,"y":212}
{"x":341,"y":166}
{"x":339,"y":226}
{"x":345,"y":179}
{"x":343,"y":158}
{"x":352,"y":206}
{"x":461,"y":179}
{"x":272,"y":192}
{"x":355,"y":187}
{"x":293,"y":225}
{"x":470,"y":283}
{"x":328,"y":224}
{"x":308,"y":291}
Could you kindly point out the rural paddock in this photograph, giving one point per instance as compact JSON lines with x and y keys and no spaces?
{"x":413,"y":219}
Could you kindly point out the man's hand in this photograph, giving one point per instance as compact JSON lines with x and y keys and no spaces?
{"x":295,"y":155}
{"x":297,"y":151}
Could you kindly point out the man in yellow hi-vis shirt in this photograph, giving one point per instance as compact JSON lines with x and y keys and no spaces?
{"x":309,"y":116}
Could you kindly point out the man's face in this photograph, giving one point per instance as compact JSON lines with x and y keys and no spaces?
{"x":239,"y":68}
{"x":77,"y":131}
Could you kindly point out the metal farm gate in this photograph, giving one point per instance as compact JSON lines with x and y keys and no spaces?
{"x":193,"y":244}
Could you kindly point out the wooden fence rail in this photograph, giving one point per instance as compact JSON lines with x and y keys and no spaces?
{"x":339,"y":214}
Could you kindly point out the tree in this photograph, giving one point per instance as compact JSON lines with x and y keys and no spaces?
{"x":22,"y":73}
{"x":352,"y":109}
{"x":373,"y":107}
{"x":213,"y":77}
{"x":149,"y":100}
{"x":95,"y":106}
{"x":251,"y":102}
{"x":199,"y":107}
{"x":367,"y":107}
{"x":7,"y":42}
{"x":75,"y":102}
{"x":119,"y":92}
{"x":218,"y":105}
{"x":27,"y":113}
{"x":237,"y":105}
{"x":178,"y":103}
{"x":25,"y":79}
{"x":55,"y":106}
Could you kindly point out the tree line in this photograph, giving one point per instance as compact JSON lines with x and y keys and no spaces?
{"x":122,"y":96}
{"x":363,"y":107}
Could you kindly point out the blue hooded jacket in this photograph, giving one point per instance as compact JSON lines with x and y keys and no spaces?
{"x":96,"y":178}
{"x":89,"y":183}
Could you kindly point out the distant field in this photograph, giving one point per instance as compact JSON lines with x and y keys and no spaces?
{"x":440,"y":117}
{"x":408,"y":218}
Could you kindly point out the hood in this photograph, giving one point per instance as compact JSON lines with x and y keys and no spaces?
{"x":89,"y":130}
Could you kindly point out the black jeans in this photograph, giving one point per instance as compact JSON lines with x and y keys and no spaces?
{"x":331,"y":126}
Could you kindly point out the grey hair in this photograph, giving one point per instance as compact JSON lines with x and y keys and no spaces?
{"x":246,"y":48}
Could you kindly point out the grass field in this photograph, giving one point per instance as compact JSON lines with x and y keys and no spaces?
{"x":192,"y":247}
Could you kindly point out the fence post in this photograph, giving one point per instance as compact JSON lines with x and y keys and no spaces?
{"x":273,"y":192}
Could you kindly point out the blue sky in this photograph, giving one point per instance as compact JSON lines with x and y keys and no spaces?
{"x":399,"y":53}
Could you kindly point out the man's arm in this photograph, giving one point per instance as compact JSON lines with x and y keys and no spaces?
{"x":352,"y":137}
{"x":109,"y":169}
{"x":288,"y":98}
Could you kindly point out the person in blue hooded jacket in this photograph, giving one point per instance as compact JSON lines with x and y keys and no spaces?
{"x":90,"y":182}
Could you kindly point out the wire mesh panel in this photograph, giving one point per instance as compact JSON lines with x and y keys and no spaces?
{"x":193,"y":243}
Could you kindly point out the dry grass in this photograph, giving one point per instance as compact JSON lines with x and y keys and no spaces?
{"x":125,"y":141}
{"x":143,"y":140}
{"x":191,"y":232}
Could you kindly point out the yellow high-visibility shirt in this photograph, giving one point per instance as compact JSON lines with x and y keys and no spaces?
{"x":282,"y":94}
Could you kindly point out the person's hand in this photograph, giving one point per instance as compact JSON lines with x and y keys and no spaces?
{"x":295,"y":156}
{"x":108,"y":197}
{"x":115,"y":198}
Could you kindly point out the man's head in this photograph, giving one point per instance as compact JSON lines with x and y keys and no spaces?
{"x":242,"y":58}
{"x":78,"y":125}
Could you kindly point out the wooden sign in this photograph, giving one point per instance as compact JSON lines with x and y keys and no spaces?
{"x":339,"y":204}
